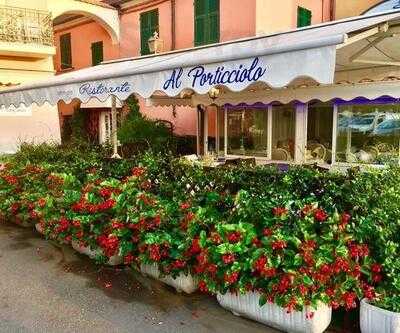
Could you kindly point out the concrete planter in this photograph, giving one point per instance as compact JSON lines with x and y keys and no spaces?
{"x":274,"y":316}
{"x":86,"y":250}
{"x":185,"y":283}
{"x":377,"y":320}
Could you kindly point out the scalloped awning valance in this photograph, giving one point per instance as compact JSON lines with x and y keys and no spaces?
{"x":275,"y":60}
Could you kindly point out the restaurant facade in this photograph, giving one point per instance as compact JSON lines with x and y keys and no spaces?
{"x":326,"y":94}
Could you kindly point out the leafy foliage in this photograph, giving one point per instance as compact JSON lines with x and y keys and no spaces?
{"x":299,"y":237}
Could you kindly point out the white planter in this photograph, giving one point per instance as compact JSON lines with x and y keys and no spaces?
{"x":274,"y":316}
{"x":377,"y":320}
{"x":185,"y":283}
{"x":113,"y":261}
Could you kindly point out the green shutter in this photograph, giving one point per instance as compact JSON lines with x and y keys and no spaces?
{"x":206,"y":22}
{"x":303,"y":17}
{"x":65,"y":48}
{"x":213,"y":24}
{"x":97,"y":53}
{"x":148,"y":25}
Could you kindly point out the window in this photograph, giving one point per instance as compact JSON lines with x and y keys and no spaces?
{"x":303,"y":17}
{"x":283,"y":132}
{"x":368,"y":134}
{"x":97,"y":53}
{"x":65,"y":48}
{"x":247,"y":132}
{"x":148,"y":26}
{"x":206,"y":18}
{"x":319,"y":133}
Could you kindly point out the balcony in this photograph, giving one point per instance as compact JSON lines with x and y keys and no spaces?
{"x":26,"y":32}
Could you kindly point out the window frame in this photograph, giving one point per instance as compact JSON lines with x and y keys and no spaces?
{"x":66,"y":59}
{"x":96,"y":62}
{"x":144,"y":46}
{"x":336,"y":106}
{"x":207,"y":16}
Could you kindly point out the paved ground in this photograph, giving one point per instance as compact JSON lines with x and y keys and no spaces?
{"x":48,"y":288}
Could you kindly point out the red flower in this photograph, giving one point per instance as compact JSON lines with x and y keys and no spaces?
{"x":358,"y":250}
{"x":105,"y":192}
{"x":76,"y":224}
{"x":216,"y":238}
{"x":335,"y":305}
{"x":11,"y":180}
{"x":129,"y":258}
{"x":79,"y":206}
{"x":376,"y":268}
{"x":33,"y":215}
{"x":155,"y":253}
{"x":79,"y":234}
{"x":325,"y":269}
{"x":184,"y":206}
{"x":344,"y":220}
{"x":330,"y":292}
{"x":349,"y":299}
{"x":15,"y":208}
{"x":234,"y":237}
{"x":278,"y":245}
{"x":268,"y":232}
{"x":341,"y":265}
{"x":269,"y":272}
{"x":195,"y":248}
{"x":108,"y":204}
{"x":203,"y":287}
{"x":260,"y":264}
{"x":231,"y":278}
{"x":109,"y":244}
{"x":284,"y":284}
{"x":117,"y":225}
{"x":308,"y":245}
{"x":376,"y":277}
{"x":63,"y":225}
{"x":41,"y":202}
{"x":256,"y":242}
{"x":303,"y":289}
{"x":369,"y":292}
{"x":212,"y":269}
{"x":202,"y":258}
{"x":356,"y":271}
{"x":279,"y":211}
{"x":228,"y":258}
{"x":320,"y":215}
{"x":179,"y":264}
{"x":138,"y":171}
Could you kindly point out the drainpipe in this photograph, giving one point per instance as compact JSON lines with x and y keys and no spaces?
{"x":173,"y":21}
{"x":333,"y":9}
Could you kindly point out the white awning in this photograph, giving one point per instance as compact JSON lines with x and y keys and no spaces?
{"x":274,"y":60}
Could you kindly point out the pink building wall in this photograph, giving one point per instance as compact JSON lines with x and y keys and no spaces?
{"x":237,"y":20}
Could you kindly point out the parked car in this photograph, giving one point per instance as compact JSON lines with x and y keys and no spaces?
{"x":367,"y":123}
{"x":387,"y":127}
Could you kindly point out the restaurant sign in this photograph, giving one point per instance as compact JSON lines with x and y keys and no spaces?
{"x":199,"y":76}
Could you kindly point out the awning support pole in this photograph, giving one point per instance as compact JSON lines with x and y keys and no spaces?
{"x":383,"y":28}
{"x":114,"y":137}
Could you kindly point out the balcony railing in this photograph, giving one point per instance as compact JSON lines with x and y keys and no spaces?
{"x":20,"y":25}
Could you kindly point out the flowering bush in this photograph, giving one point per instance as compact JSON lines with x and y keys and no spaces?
{"x":299,"y":237}
{"x":294,"y":256}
